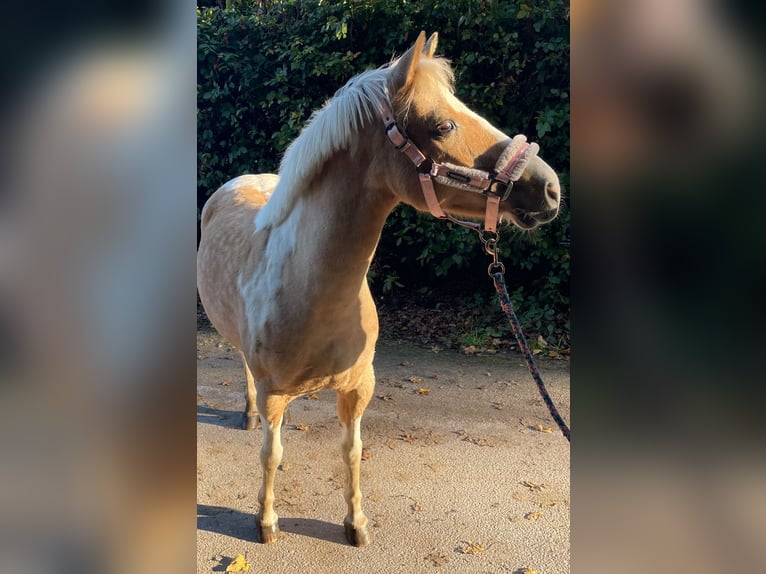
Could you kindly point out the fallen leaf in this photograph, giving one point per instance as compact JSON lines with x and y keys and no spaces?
{"x":437,"y":559}
{"x":541,"y":428}
{"x":283,"y":467}
{"x":406,"y":363}
{"x":226,"y":383}
{"x":533,"y":515}
{"x":366,"y":454}
{"x":301,"y":427}
{"x":470,"y":350}
{"x":385,"y":397}
{"x":470,"y":547}
{"x":532,"y":486}
{"x":408,"y":438}
{"x":529,"y":571}
{"x":423,"y":391}
{"x":415,"y":507}
{"x":312,"y":397}
{"x":416,"y":380}
{"x":478,"y":441}
{"x":239,"y":564}
{"x":542,"y":342}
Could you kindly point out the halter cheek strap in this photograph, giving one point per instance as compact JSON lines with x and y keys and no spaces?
{"x":495,"y":186}
{"x":405,"y":145}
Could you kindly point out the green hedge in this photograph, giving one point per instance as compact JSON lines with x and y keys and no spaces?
{"x":263,"y":67}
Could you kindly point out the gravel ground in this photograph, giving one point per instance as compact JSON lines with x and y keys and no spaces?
{"x":457,"y":476}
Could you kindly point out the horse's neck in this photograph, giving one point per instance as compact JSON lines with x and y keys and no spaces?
{"x":341,"y":218}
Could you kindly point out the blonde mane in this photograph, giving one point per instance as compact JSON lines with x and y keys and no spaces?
{"x":331,"y":129}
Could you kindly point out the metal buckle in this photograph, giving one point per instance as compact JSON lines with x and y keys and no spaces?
{"x":394,"y":126}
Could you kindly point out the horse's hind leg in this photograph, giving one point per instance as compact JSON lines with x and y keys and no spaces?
{"x":351,"y":405}
{"x":250,"y":416}
{"x":271,"y":408}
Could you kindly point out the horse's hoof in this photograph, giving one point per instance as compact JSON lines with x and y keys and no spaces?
{"x":250,"y":422}
{"x":358,"y":537}
{"x":269,"y":533}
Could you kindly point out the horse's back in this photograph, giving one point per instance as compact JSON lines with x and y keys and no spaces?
{"x":229,"y":246}
{"x":244,"y":193}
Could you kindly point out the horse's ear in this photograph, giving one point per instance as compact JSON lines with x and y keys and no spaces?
{"x":404,"y":72}
{"x":430,"y":47}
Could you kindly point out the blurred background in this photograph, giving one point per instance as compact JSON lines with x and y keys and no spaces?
{"x":668,"y":282}
{"x":97,"y":287}
{"x":97,"y":296}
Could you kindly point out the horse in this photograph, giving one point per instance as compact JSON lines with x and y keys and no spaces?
{"x":283,"y":259}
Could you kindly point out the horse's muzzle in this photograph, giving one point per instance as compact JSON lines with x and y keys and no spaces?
{"x":530,"y":219}
{"x":553,"y":195}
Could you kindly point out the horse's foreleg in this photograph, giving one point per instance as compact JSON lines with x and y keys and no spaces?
{"x":250,"y":416}
{"x":271,"y":410}
{"x":351,"y":405}
{"x":355,"y":523}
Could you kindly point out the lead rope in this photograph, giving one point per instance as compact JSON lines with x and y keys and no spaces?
{"x":496,"y":271}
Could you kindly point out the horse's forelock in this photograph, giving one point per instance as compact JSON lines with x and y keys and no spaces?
{"x":436,"y":71}
{"x":433,"y":76}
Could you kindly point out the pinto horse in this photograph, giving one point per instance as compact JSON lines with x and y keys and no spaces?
{"x":282,"y":261}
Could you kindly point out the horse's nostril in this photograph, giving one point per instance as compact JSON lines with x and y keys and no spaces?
{"x":553,"y":192}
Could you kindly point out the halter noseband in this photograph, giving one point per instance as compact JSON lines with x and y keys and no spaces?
{"x":495,"y":186}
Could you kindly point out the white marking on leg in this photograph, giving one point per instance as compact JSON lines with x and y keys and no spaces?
{"x":352,"y":457}
{"x":271,"y":457}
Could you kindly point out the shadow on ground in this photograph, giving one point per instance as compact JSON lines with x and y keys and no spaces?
{"x":241,"y":525}
{"x":219,"y":417}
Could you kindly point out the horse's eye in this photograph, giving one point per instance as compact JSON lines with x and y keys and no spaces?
{"x":446,"y":127}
